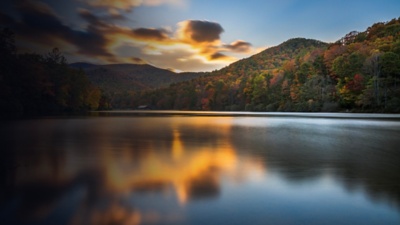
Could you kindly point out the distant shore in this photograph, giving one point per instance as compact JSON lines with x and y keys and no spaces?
{"x":384,"y":116}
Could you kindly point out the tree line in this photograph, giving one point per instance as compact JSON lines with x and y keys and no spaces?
{"x":359,"y":73}
{"x":33,"y":84}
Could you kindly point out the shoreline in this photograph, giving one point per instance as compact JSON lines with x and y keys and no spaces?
{"x":383,"y":116}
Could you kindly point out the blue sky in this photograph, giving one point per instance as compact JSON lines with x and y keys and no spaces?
{"x":183,"y":35}
{"x":266,"y":22}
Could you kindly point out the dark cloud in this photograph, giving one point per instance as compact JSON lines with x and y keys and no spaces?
{"x":113,"y":4}
{"x":217,"y":55}
{"x":201,"y":31}
{"x":152,"y":34}
{"x":90,"y":18}
{"x":38,"y":19}
{"x":6,"y":20}
{"x":39,"y":24}
{"x":129,"y":5}
{"x":137,"y":60}
{"x":92,"y":41}
{"x":203,"y":36}
{"x":239,"y":46}
{"x":116,"y":17}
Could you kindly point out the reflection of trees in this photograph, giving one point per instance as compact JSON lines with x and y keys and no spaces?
{"x":203,"y":187}
{"x":363,"y":156}
{"x":111,"y":159}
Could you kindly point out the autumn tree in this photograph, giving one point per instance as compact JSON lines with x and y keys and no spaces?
{"x":33,"y":84}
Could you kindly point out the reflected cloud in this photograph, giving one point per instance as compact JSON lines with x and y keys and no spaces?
{"x":114,"y":214}
{"x":177,"y":148}
{"x":182,"y":160}
{"x":194,"y":171}
{"x":139,"y":170}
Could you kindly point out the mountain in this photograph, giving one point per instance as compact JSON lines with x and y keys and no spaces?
{"x":358,"y":73}
{"x":240,"y":86}
{"x":118,"y":78}
{"x":274,"y":57}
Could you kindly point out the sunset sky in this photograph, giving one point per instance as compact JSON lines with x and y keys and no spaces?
{"x":183,"y":35}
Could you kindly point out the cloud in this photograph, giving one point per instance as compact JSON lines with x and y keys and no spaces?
{"x":91,"y":18}
{"x":204,"y":37}
{"x":150,"y":34}
{"x":198,"y":31}
{"x":239,"y":46}
{"x":219,"y":56}
{"x":6,"y":20}
{"x":114,"y":4}
{"x":195,"y":45}
{"x":36,"y":16}
{"x":128,"y":5}
{"x":181,"y":59}
{"x":137,"y":60}
{"x":40,"y":26}
{"x":176,"y":3}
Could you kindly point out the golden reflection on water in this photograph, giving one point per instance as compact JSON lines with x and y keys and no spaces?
{"x":186,"y":158}
{"x":191,"y":168}
{"x":177,"y":148}
{"x":185,"y":166}
{"x":147,"y":170}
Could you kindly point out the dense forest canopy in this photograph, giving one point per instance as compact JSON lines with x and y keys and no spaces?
{"x":120,"y":81}
{"x":360,"y":72}
{"x":32,"y":84}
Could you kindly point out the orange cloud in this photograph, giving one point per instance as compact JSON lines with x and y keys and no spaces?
{"x":194,"y":46}
{"x":197,"y":31}
{"x":205,"y":37}
{"x":194,"y":42}
{"x":116,"y":4}
{"x":178,"y":3}
{"x":220,"y":56}
{"x":239,"y":46}
{"x":136,"y":60}
{"x":128,"y":5}
{"x":150,"y":34}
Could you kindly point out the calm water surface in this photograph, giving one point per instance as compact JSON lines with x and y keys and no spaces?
{"x":214,"y":169}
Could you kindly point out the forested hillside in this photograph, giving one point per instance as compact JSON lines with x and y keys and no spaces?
{"x":117,"y":78}
{"x":360,"y":72}
{"x":120,"y":82}
{"x":32,"y":84}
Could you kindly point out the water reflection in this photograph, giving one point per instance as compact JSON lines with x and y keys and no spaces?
{"x":177,"y":169}
{"x":101,"y":162}
{"x":358,"y":153}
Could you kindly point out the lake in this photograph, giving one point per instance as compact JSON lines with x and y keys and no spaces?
{"x":201,"y":168}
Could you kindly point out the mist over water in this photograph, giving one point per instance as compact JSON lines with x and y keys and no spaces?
{"x":197,"y":169}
